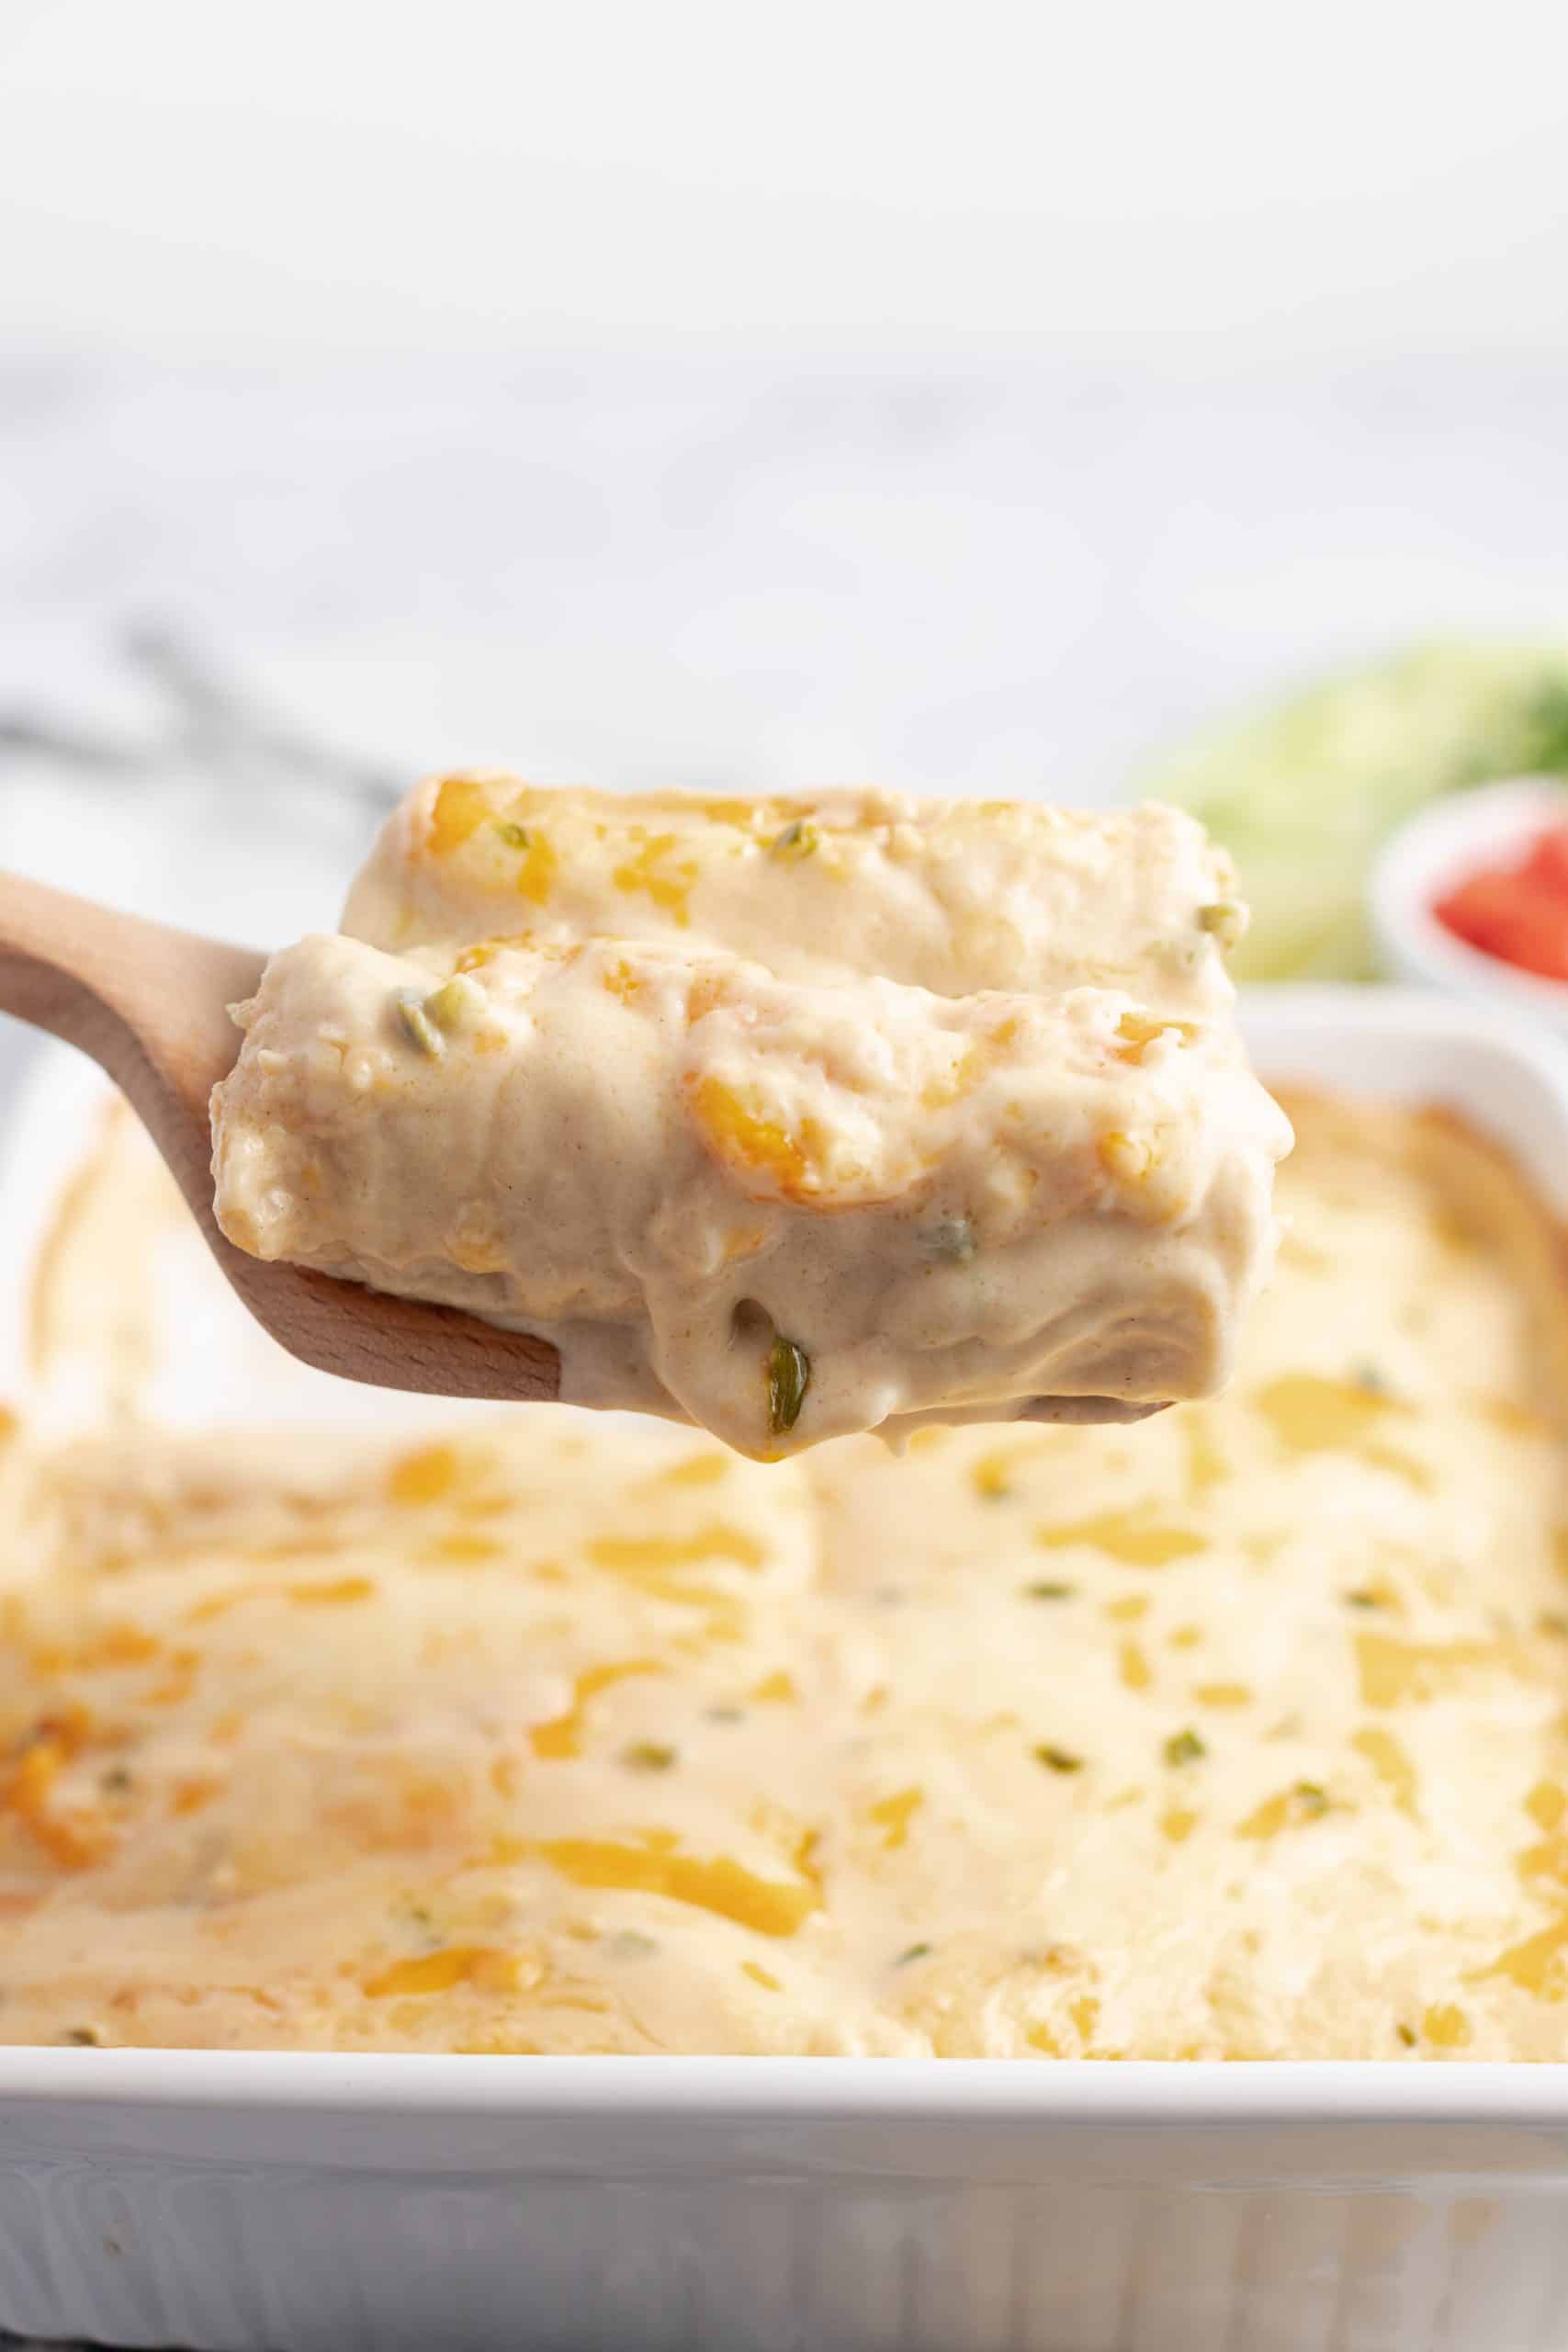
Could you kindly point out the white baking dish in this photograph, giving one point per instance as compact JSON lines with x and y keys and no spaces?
{"x":322,"y":2204}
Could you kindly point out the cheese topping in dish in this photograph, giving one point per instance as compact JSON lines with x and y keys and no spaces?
{"x":788,"y":1119}
{"x":1239,"y":1735}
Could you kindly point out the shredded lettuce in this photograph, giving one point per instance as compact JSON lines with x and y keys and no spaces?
{"x":1303,"y":791}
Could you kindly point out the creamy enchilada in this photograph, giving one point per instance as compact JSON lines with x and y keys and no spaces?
{"x":790,"y":1119}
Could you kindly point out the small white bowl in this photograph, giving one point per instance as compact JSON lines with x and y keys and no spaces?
{"x":1491,"y":825}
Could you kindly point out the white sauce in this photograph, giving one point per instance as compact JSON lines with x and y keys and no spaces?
{"x":788,"y":1119}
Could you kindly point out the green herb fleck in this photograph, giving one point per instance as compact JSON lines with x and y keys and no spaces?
{"x":82,"y":2037}
{"x":1368,"y":1378}
{"x":1407,"y":2035}
{"x":648,"y":1756}
{"x":789,"y":1377}
{"x":417,"y":1024}
{"x":1049,"y":1591}
{"x":1184,"y":1748}
{"x":117,"y":1780}
{"x":1312,"y":1800}
{"x":516,"y":836}
{"x":1058,"y":1759}
{"x":454,"y":1004}
{"x":796,"y":842}
{"x":1363,"y":1598}
{"x":952,"y":1241}
{"x":915,"y":1951}
{"x":627,"y":1944}
{"x":1224,"y":920}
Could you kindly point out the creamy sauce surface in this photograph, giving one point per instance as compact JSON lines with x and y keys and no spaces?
{"x":1237,"y":1736}
{"x":789,"y":1119}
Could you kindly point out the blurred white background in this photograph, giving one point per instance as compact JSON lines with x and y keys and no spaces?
{"x":976,"y":396}
{"x":1222,"y":180}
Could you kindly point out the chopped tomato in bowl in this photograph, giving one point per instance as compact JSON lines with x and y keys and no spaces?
{"x":1516,"y":908}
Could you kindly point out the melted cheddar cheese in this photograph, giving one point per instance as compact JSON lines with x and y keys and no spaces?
{"x":1238,"y":1735}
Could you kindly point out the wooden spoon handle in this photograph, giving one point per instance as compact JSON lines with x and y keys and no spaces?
{"x":148,"y":1004}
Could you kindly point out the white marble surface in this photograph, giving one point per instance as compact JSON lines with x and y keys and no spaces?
{"x":985,"y":573}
